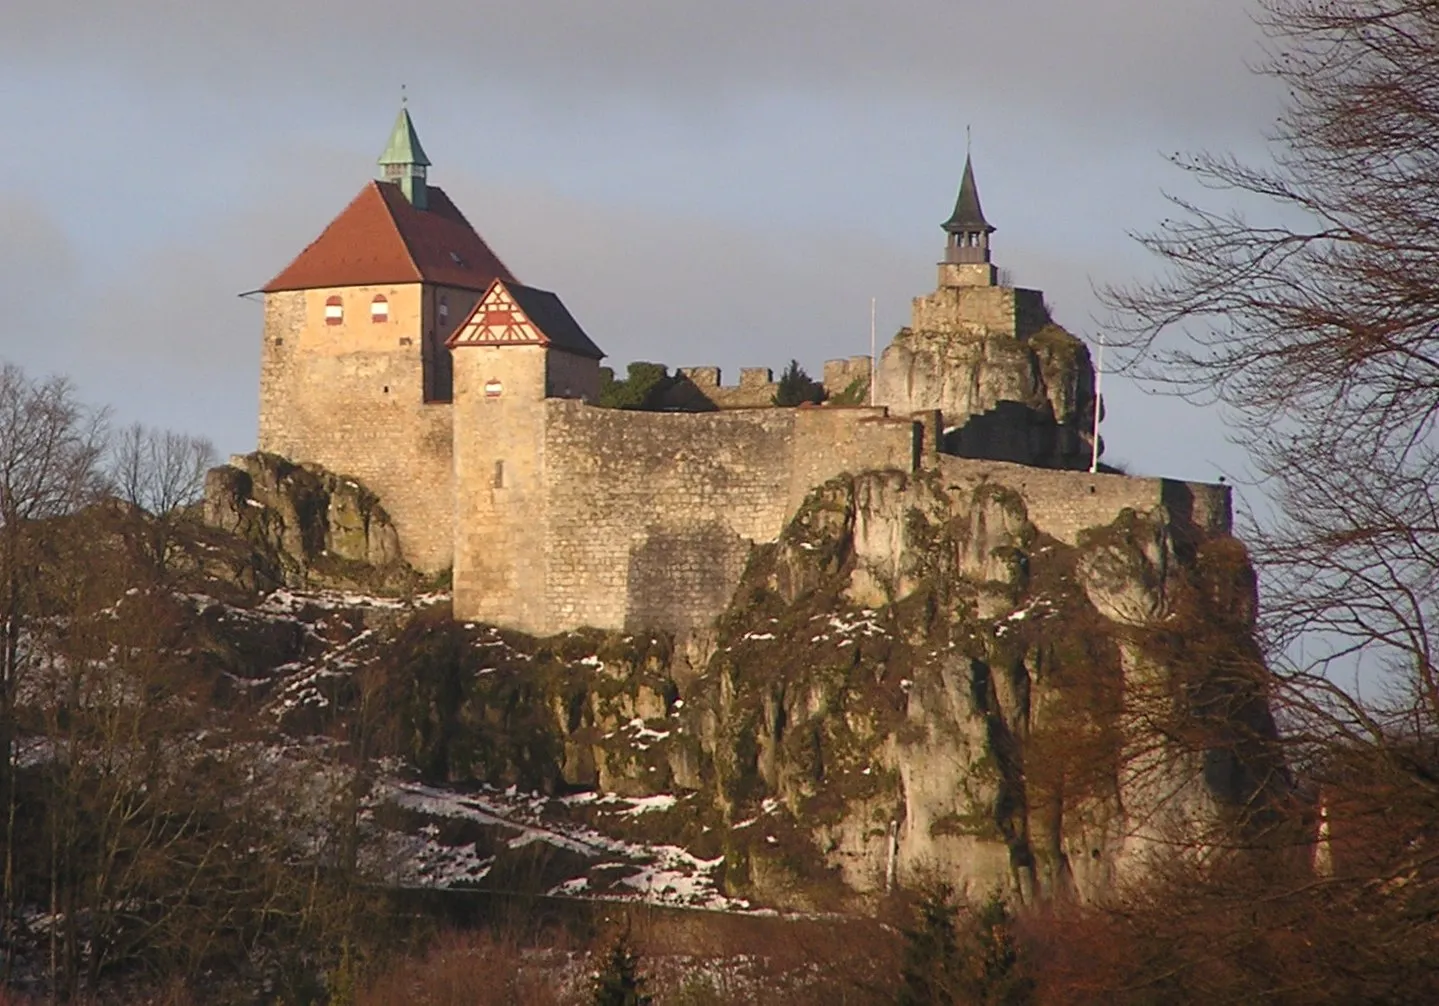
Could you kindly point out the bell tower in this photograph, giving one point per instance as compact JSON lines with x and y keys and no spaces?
{"x":966,"y":251}
{"x":404,"y":161}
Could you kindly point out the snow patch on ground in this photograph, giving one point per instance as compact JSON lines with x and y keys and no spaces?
{"x":616,"y":869}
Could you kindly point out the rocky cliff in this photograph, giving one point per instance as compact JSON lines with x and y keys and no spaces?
{"x":928,"y":686}
{"x":311,"y":526}
{"x":1025,"y":397}
{"x":914,"y":682}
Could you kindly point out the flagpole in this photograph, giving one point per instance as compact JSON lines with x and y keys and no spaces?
{"x":1098,"y":404}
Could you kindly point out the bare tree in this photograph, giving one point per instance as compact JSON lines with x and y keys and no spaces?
{"x":50,"y":447}
{"x":1306,"y":304}
{"x":162,"y":473}
{"x":160,"y":470}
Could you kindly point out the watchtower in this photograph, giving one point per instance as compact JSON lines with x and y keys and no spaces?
{"x":966,"y":252}
{"x":518,"y":347}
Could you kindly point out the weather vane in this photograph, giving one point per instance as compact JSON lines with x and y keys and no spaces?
{"x":404,"y":98}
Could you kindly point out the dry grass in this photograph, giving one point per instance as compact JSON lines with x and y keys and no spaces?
{"x":688,"y":958}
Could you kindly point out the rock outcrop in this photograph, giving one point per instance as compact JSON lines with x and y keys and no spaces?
{"x":314,"y":527}
{"x":914,"y":682}
{"x":925,"y":685}
{"x":1026,"y":398}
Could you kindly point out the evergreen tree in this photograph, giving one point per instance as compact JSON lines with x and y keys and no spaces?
{"x":642,"y":389}
{"x":796,"y":387}
{"x":993,"y":971}
{"x":932,"y":971}
{"x":619,"y":983}
{"x":978,"y":963}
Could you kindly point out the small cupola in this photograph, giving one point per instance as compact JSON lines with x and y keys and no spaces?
{"x":968,"y":231}
{"x":404,"y":161}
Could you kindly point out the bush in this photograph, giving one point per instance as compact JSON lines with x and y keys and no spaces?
{"x":976,"y":963}
{"x":619,"y":983}
{"x":796,"y":387}
{"x":643,"y":388}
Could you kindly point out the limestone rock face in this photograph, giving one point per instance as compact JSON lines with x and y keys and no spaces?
{"x":915,"y":682}
{"x":321,"y":528}
{"x":1027,"y":399}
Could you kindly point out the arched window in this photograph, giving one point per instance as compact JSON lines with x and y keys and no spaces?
{"x":334,"y":311}
{"x":379,"y":309}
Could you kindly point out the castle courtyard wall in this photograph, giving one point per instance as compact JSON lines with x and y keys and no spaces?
{"x":651,"y":516}
{"x":351,"y":397}
{"x":1061,"y":504}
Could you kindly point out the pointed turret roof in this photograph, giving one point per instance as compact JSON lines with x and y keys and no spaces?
{"x":404,"y":146}
{"x":967,"y":216}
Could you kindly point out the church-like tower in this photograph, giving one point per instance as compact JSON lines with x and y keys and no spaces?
{"x":966,"y":253}
{"x":404,"y":162}
{"x":355,"y":373}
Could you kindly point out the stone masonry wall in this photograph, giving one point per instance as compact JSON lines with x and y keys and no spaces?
{"x":351,"y":397}
{"x":500,"y":516}
{"x":840,"y":374}
{"x":651,"y":515}
{"x":757,"y":387}
{"x":1062,"y":504}
{"x":831,"y":440}
{"x":979,"y":310}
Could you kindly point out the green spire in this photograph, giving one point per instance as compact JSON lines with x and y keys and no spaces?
{"x":404,"y":161}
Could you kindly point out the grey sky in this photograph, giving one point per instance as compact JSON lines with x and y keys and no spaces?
{"x":702,"y":183}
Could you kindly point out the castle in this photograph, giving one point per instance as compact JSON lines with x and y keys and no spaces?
{"x":399,"y":350}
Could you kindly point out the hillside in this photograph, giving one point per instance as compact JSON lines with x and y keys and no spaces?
{"x":914,"y":684}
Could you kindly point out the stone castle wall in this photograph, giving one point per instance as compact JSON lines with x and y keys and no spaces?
{"x":351,"y":397}
{"x":839,"y":375}
{"x":1064,"y":503}
{"x":979,"y":311}
{"x":704,"y":386}
{"x":648,"y":518}
{"x":652,"y":514}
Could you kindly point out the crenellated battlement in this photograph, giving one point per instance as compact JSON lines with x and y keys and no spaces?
{"x":701,"y":387}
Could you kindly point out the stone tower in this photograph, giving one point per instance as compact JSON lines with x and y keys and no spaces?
{"x":355,"y":374}
{"x":1009,"y":383}
{"x":518,"y":348}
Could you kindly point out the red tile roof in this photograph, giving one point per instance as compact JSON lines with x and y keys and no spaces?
{"x":380,"y":238}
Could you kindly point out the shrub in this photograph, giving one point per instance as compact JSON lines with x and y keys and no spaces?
{"x":797,"y":388}
{"x":619,"y":982}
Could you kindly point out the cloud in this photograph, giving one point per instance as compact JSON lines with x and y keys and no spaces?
{"x":1104,"y":63}
{"x":39,"y":275}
